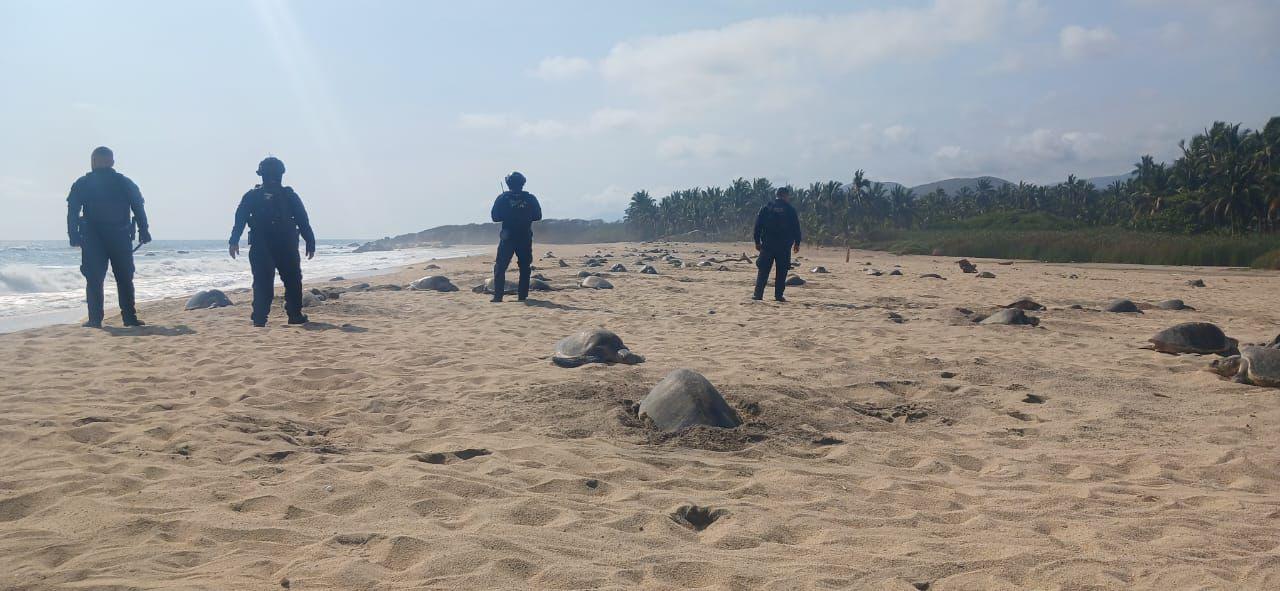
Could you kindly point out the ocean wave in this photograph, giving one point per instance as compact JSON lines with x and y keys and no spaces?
{"x":37,"y":279}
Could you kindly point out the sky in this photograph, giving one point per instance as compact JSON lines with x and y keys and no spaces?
{"x":396,"y":116}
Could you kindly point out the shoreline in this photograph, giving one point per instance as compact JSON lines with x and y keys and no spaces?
{"x":17,"y":323}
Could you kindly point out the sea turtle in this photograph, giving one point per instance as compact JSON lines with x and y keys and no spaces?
{"x":1194,"y":337}
{"x":933,"y":276}
{"x":704,"y":264}
{"x":213,"y":298}
{"x":1196,"y":283}
{"x":1259,"y":366}
{"x":1173,"y":305}
{"x":310,"y":300}
{"x":722,"y":268}
{"x":487,"y":287}
{"x":684,"y":399}
{"x":536,"y":284}
{"x":1011,"y":316}
{"x":1026,"y":304}
{"x":433,"y":283}
{"x":585,"y":274}
{"x":795,"y":280}
{"x":563,"y":264}
{"x":896,"y":272}
{"x":618,"y":268}
{"x":967,"y":266}
{"x":593,"y":346}
{"x":595,"y":282}
{"x":873,"y":272}
{"x":1122,"y":306}
{"x":986,"y":275}
{"x":648,"y":270}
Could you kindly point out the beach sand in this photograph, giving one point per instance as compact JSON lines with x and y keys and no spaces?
{"x":424,"y":440}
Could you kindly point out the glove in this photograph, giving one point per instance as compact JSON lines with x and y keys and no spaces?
{"x":144,"y":236}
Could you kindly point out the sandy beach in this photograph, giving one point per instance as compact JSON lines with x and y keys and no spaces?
{"x":424,"y":440}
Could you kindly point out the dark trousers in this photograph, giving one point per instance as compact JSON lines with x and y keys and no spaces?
{"x":266,"y":259}
{"x":100,"y":247}
{"x":523,"y":251}
{"x":773,"y":257}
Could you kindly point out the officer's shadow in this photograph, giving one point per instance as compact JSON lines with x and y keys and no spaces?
{"x":150,"y":330}
{"x":328,"y":326}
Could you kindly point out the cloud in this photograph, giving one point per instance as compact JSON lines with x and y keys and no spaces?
{"x":600,"y":121}
{"x":710,"y":66}
{"x":897,"y":134}
{"x":1043,"y":145}
{"x":1077,"y":42}
{"x":701,"y":147}
{"x":561,"y":68}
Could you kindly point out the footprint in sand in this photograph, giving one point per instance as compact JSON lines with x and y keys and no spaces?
{"x":450,"y":457}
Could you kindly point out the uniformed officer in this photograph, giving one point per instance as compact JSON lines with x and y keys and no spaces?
{"x":99,"y":224}
{"x":276,"y":219}
{"x":777,"y":236}
{"x":516,"y":209}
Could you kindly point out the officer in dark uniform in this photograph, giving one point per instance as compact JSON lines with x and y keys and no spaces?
{"x":517,"y":210}
{"x":105,"y":233}
{"x":276,"y":218}
{"x":777,"y":235}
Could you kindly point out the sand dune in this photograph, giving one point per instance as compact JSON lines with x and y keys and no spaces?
{"x":410,"y":440}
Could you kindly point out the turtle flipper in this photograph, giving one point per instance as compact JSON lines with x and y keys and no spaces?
{"x":568,"y":362}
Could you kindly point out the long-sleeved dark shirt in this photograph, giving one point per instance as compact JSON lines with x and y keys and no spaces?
{"x":777,"y":225}
{"x":107,"y":200}
{"x":517,"y":210}
{"x":273,"y":214}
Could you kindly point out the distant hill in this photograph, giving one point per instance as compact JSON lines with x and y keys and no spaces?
{"x":1102,"y":182}
{"x":547,"y":231}
{"x":953,"y":186}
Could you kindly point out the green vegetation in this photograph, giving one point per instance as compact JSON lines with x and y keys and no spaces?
{"x":1217,"y":204}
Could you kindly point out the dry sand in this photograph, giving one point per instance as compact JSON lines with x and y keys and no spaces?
{"x":202,"y":453}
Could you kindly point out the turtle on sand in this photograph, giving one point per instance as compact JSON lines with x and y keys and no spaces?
{"x":618,"y":268}
{"x":1122,"y":306}
{"x":1027,"y":304}
{"x":1194,"y":337}
{"x":1196,"y":283}
{"x":722,"y":268}
{"x":1174,"y":305}
{"x":896,"y":272}
{"x":933,"y":276}
{"x":593,"y":346}
{"x":1014,"y":316}
{"x":1258,"y":366}
{"x":684,"y":399}
{"x":986,"y":275}
{"x":648,"y":270}
{"x":967,"y":266}
{"x":873,"y":272}
{"x":795,"y":280}
{"x":585,"y":274}
{"x":433,"y":283}
{"x":819,"y":270}
{"x":563,"y":264}
{"x":310,"y":300}
{"x":213,"y":298}
{"x":595,"y":282}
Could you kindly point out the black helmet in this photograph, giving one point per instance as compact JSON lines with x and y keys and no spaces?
{"x":271,"y":166}
{"x":515,"y":181}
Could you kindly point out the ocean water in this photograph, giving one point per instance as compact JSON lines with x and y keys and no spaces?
{"x":40,"y":281}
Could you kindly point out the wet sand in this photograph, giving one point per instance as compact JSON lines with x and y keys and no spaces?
{"x":409,"y":440}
